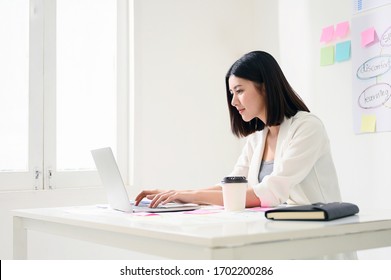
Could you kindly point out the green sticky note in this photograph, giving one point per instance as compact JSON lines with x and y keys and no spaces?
{"x":368,"y":123}
{"x":342,"y":51}
{"x":327,"y":56}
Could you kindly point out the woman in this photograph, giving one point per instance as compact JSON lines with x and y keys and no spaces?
{"x":287,"y":156}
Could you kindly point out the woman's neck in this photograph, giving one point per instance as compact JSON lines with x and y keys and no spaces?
{"x":271,"y":143}
{"x":273,"y":131}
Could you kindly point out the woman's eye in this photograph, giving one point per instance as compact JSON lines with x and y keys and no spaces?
{"x":239,"y":91}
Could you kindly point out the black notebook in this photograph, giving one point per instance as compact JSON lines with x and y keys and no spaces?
{"x":314,"y":212}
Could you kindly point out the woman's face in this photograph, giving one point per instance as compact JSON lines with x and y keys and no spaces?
{"x":248,"y":98}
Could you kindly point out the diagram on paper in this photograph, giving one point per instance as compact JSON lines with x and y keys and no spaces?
{"x":371,"y":61}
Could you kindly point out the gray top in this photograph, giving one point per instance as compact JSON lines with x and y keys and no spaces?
{"x":266,"y":169}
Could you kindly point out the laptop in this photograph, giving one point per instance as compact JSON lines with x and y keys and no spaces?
{"x":117,"y":195}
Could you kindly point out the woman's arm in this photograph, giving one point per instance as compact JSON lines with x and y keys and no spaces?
{"x":252,"y":200}
{"x":207,"y":196}
{"x":212,"y":195}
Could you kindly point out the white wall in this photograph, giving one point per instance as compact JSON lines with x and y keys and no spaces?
{"x":182,"y":138}
{"x":183,"y":50}
{"x":362,"y":161}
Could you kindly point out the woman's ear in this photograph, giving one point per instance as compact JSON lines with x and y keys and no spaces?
{"x":261,"y":88}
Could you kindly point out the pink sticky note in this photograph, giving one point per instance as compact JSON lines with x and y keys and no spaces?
{"x":368,"y":36}
{"x":342,"y":29}
{"x":327,"y":34}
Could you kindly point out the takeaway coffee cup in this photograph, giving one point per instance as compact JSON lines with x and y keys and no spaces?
{"x":234,"y":193}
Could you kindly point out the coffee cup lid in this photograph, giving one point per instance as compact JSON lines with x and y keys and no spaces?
{"x":234,"y":179}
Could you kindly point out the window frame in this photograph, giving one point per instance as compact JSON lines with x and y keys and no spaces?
{"x":42,"y":173}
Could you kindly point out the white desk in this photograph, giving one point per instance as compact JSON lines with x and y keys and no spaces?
{"x":245,"y":235}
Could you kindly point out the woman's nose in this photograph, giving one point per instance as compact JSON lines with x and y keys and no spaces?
{"x":234,"y":100}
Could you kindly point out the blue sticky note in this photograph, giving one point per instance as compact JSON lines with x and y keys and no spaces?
{"x":342,"y":51}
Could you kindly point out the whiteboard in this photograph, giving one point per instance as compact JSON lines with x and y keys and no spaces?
{"x":371,"y":62}
{"x":363,"y":5}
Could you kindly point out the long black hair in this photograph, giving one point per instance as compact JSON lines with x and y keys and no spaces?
{"x":281,"y":100}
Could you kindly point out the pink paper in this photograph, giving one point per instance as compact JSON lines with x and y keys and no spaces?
{"x":327,"y":34}
{"x":202,"y":211}
{"x":342,"y":29}
{"x":368,"y":36}
{"x":145,"y":214}
{"x":259,"y":209}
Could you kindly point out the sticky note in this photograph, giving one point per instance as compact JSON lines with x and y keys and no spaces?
{"x":368,"y":123}
{"x":368,"y":37}
{"x":327,"y":56}
{"x":327,"y":34}
{"x":342,"y":51}
{"x":341,"y":30}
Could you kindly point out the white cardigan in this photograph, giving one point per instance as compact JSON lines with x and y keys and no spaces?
{"x":303,"y":170}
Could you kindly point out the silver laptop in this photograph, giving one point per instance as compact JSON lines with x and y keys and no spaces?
{"x":115,"y":188}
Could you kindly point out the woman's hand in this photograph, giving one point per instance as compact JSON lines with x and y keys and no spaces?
{"x":205,"y":196}
{"x":149,"y":194}
{"x":174,"y":196}
{"x":162,"y":197}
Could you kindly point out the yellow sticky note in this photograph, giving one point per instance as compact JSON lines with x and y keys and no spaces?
{"x":327,"y":56}
{"x":368,"y":123}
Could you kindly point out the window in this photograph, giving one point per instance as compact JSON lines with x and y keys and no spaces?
{"x":14,"y":83}
{"x":65,"y":90}
{"x":86,"y":56}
